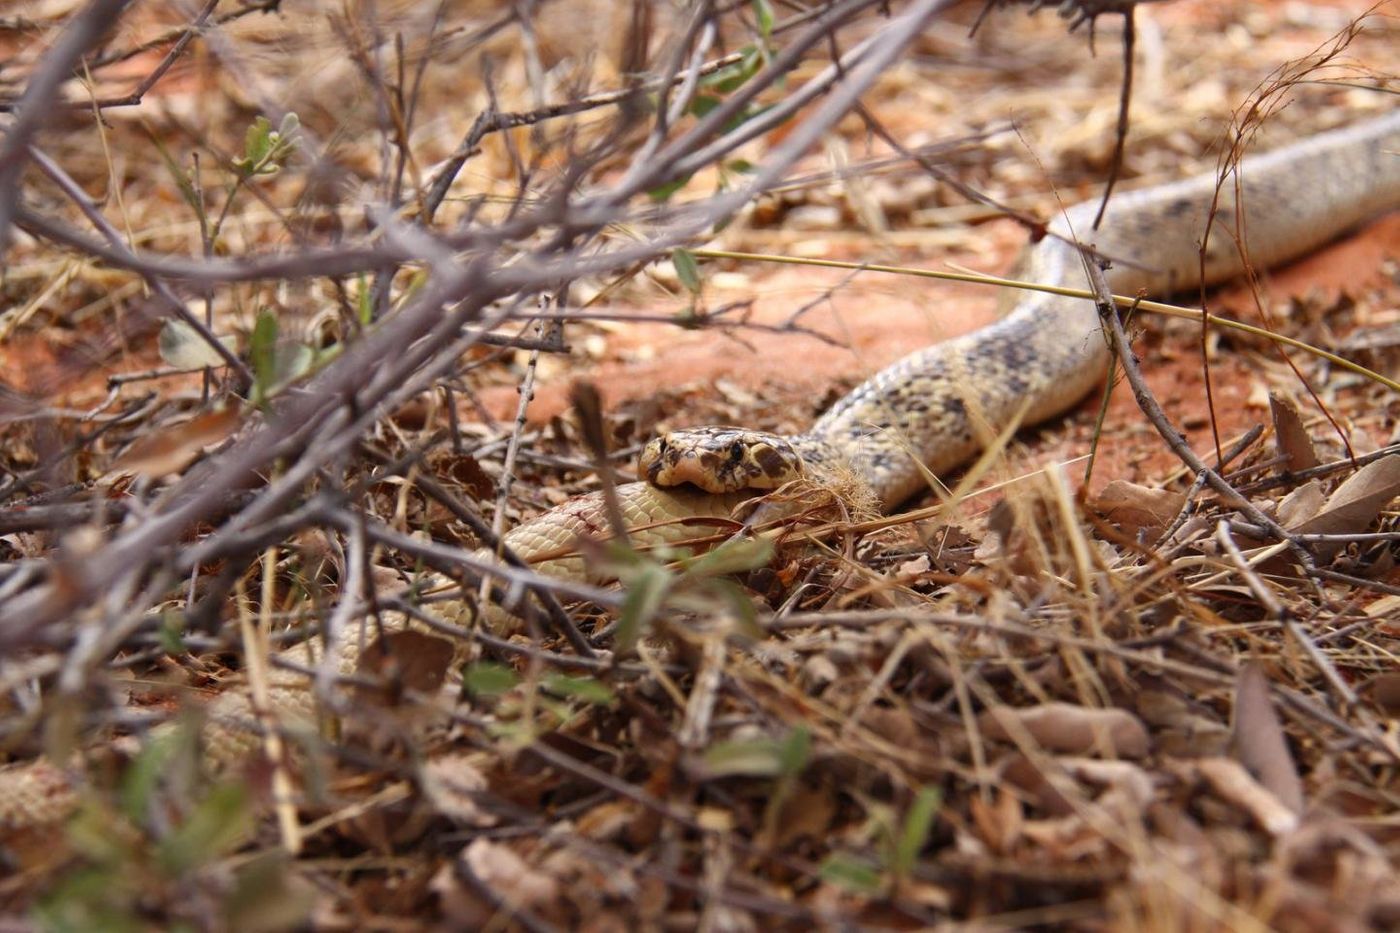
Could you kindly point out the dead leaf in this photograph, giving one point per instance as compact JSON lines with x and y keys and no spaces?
{"x":408,"y":660}
{"x":1354,"y":505}
{"x":465,"y":470}
{"x":913,"y":569}
{"x":182,"y":347}
{"x":1068,"y":729}
{"x":949,"y":547}
{"x":1129,"y":781}
{"x":1291,"y":436}
{"x":607,"y":821}
{"x":1234,"y":784}
{"x":1135,"y":508}
{"x":507,"y":874}
{"x":1181,"y":725}
{"x":998,"y":823}
{"x":451,"y":783}
{"x":170,"y":450}
{"x":489,"y":866}
{"x":1258,"y":740}
{"x":808,"y":813}
{"x":1385,"y":691}
{"x":1301,"y":504}
{"x":1386,"y":612}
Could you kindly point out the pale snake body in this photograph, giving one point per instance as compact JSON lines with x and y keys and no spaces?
{"x":940,"y":402}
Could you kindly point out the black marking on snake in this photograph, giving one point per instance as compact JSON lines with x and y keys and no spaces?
{"x":1178,"y":207}
{"x":770,"y":461}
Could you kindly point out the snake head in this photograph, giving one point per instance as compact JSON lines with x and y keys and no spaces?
{"x":720,"y":459}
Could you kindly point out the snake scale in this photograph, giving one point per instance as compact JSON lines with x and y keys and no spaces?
{"x":936,"y":405}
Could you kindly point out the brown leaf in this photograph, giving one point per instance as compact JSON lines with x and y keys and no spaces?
{"x":1385,"y":691}
{"x":607,"y":821}
{"x":1354,"y":505}
{"x":1258,"y":740}
{"x":1233,"y":783}
{"x":467,"y":473}
{"x":1386,"y":612}
{"x":1028,"y":777}
{"x":451,"y":783}
{"x":1291,"y":436}
{"x":998,"y":823}
{"x":1068,"y":729}
{"x":170,"y":450}
{"x":1301,"y":504}
{"x":1181,"y":726}
{"x":1134,"y":508}
{"x":506,"y":874}
{"x":1132,"y":784}
{"x":808,"y":813}
{"x":494,"y":867}
{"x":412,"y":660}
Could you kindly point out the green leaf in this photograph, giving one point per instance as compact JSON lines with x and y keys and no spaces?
{"x":262,"y":353}
{"x":732,"y":77}
{"x":702,"y":104}
{"x":266,"y":897}
{"x":585,"y":689}
{"x":291,"y":123}
{"x":141,"y":777}
{"x":94,"y":833}
{"x":90,"y":899}
{"x":740,"y":606}
{"x":687,"y":269}
{"x":646,"y":592}
{"x":759,"y":757}
{"x":763,"y":12}
{"x":737,"y":555}
{"x":747,"y":114}
{"x":913,"y":835}
{"x":257,"y":143}
{"x":364,"y":303}
{"x":662,"y":193}
{"x":488,"y":679}
{"x":220,"y":822}
{"x":783,"y":758}
{"x":171,"y":632}
{"x":291,"y":361}
{"x":182,"y":179}
{"x":264,"y":149}
{"x":853,"y":874}
{"x":795,"y":752}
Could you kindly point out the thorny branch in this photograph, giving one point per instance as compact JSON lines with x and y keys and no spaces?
{"x":418,"y":344}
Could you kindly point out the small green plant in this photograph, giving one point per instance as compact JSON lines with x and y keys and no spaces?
{"x":525,"y":709}
{"x":265,"y":149}
{"x":275,"y":362}
{"x":675,"y":579}
{"x":898,"y":842}
{"x":138,"y":856}
{"x":718,"y":85}
{"x":783,"y":759}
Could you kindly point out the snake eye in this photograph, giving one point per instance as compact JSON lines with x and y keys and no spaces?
{"x":736,"y":451}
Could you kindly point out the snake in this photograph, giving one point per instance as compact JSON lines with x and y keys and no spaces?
{"x":926,"y":413}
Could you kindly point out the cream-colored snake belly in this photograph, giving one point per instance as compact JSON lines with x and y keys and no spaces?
{"x":937,"y":403}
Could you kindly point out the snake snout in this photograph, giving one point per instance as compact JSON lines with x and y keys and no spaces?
{"x":720,"y":459}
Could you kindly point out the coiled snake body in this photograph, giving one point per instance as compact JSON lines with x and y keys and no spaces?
{"x":936,"y":405}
